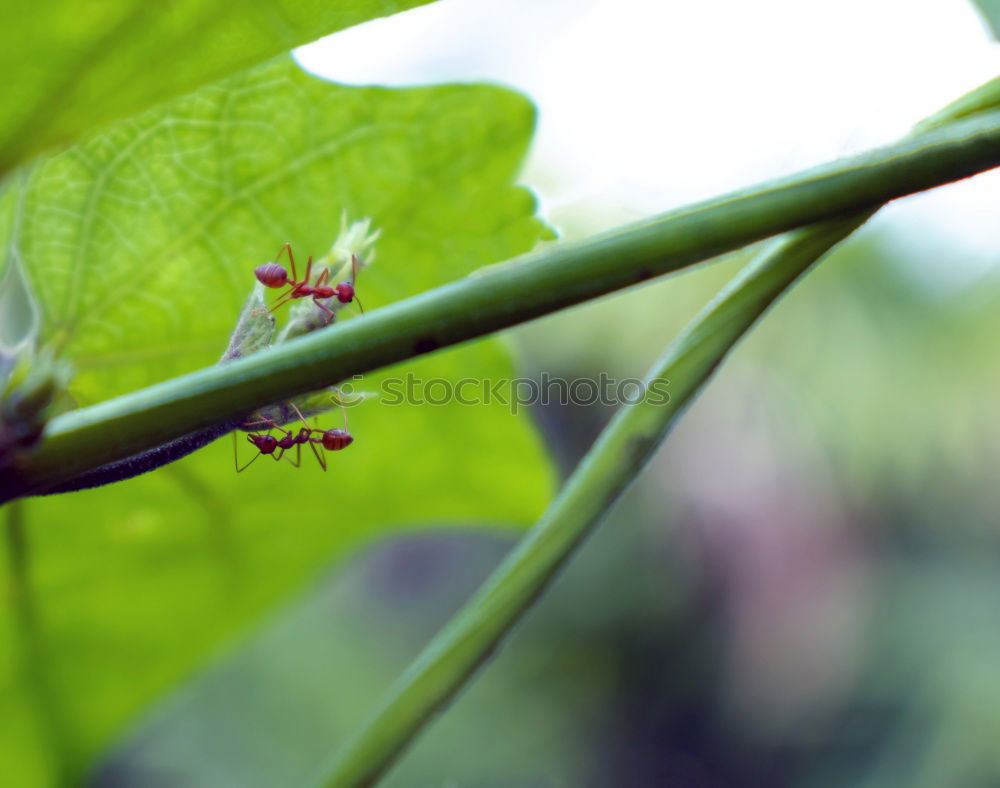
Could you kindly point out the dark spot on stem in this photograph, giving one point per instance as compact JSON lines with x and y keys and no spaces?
{"x":643,"y":274}
{"x":641,"y":447}
{"x":425,"y":345}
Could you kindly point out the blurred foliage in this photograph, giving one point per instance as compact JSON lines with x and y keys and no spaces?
{"x":140,"y":244}
{"x":871,"y":349}
{"x":990,"y":10}
{"x":361,"y":626}
{"x":74,"y":67}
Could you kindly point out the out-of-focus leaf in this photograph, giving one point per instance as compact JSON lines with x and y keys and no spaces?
{"x":141,"y":245}
{"x":990,"y":11}
{"x":69,"y":67}
{"x":19,"y":316}
{"x":264,"y":715}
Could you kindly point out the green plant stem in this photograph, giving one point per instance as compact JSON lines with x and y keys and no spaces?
{"x":501,"y":296}
{"x":54,"y":729}
{"x":612,"y":463}
{"x":616,"y":458}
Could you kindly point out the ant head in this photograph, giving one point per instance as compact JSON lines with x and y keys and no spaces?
{"x":266,"y":444}
{"x":337,"y":439}
{"x":271,"y":275}
{"x":344,"y":292}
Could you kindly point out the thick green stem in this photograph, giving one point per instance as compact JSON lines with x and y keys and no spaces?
{"x":502,"y":296}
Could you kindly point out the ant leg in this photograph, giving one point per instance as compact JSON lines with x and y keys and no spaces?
{"x":298,"y":456}
{"x":291,"y":258}
{"x":282,"y":300}
{"x":355,"y":267}
{"x":298,"y":413}
{"x":331,"y":315}
{"x":236,"y":462}
{"x":312,"y":445}
{"x":323,"y":277}
{"x":240,"y":470}
{"x":290,"y":294}
{"x":251,"y":426}
{"x":319,"y":455}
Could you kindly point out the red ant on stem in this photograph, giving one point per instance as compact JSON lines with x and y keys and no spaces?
{"x":275,"y":276}
{"x":335,"y":439}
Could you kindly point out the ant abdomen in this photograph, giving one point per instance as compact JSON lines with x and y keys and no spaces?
{"x":337,"y":439}
{"x":271,"y":275}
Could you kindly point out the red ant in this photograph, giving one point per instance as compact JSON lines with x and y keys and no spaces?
{"x":335,"y":439}
{"x":275,"y":275}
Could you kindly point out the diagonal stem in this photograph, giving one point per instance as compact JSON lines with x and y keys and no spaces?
{"x":617,"y":457}
{"x":614,"y":461}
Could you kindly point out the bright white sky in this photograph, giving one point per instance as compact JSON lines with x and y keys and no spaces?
{"x":648,"y":104}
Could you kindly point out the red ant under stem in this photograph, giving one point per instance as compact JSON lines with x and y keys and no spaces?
{"x":275,"y":276}
{"x":335,"y":439}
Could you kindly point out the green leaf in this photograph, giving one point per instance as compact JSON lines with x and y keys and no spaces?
{"x":18,"y":310}
{"x":70,"y":67}
{"x":990,"y":11}
{"x":141,"y":244}
{"x":19,"y":317}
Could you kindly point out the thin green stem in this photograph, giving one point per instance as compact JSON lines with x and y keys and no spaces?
{"x":501,"y":296}
{"x":612,"y":463}
{"x":53,"y":727}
